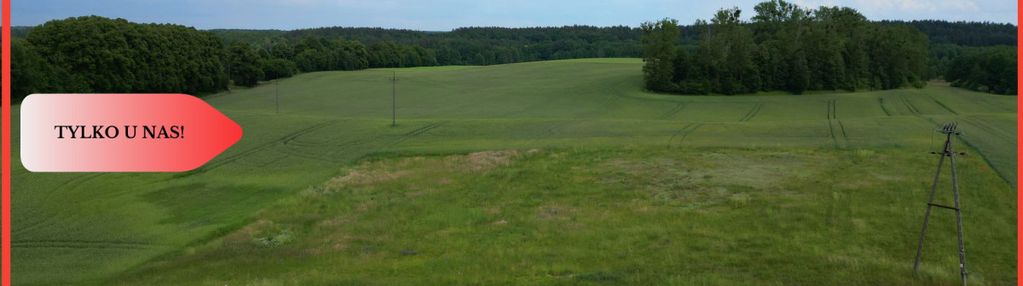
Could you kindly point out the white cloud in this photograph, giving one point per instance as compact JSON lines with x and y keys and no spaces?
{"x":813,"y":4}
{"x":379,"y":4}
{"x":918,"y":6}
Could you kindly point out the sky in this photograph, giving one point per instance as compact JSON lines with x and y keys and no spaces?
{"x":444,"y":15}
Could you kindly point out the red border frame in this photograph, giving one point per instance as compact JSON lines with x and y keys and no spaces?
{"x":6,"y":197}
{"x":1019,"y":137}
{"x":5,"y":200}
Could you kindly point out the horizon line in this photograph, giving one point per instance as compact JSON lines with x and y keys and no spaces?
{"x":463,"y":27}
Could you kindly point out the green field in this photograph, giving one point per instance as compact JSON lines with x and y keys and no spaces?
{"x":573,"y":175}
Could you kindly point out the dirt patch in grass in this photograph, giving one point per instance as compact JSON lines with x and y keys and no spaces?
{"x":365,"y":176}
{"x":554,"y":212}
{"x":368,"y":178}
{"x":262,"y":233}
{"x":718,"y":169}
{"x":244,"y":235}
{"x":371,"y":173}
{"x":483,"y":161}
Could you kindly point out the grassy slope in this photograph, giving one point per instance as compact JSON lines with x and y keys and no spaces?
{"x":64,"y":223}
{"x":635,"y":215}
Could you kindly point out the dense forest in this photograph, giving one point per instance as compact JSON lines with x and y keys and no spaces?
{"x":94,"y":54}
{"x":726,"y":54}
{"x":462,"y":46}
{"x":988,"y":69}
{"x":784,"y":47}
{"x":963,"y":33}
{"x":790,"y":48}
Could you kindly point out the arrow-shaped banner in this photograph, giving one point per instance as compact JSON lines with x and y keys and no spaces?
{"x":121,"y":132}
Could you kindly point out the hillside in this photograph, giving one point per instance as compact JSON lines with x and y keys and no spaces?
{"x":855,"y":164}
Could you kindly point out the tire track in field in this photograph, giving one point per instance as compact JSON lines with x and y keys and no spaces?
{"x":334,"y":148}
{"x":691,"y":130}
{"x":833,"y":109}
{"x":831,"y":133}
{"x":752,"y":112}
{"x":845,"y":136}
{"x":1008,"y":178}
{"x":347,"y":146}
{"x":966,"y":140}
{"x":551,"y":130}
{"x":337,"y":150}
{"x":298,"y":142}
{"x":880,"y":101}
{"x":83,"y":244}
{"x":274,"y":161}
{"x":674,"y":110}
{"x":379,"y":141}
{"x":422,"y":130}
{"x":990,"y":129}
{"x":683,"y":133}
{"x":300,"y":154}
{"x":417,"y":132}
{"x":286,"y":140}
{"x":19,"y":171}
{"x":229,"y":159}
{"x":609,"y":101}
{"x":986,"y":157}
{"x":30,"y":227}
{"x":677,"y":133}
{"x":77,"y":180}
{"x":830,"y":115}
{"x":944,"y":106}
{"x":67,"y":186}
{"x":909,"y":105}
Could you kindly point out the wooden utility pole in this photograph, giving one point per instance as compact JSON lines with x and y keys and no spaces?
{"x":277,"y":95}
{"x":394,"y":99}
{"x":229,"y":77}
{"x":949,"y":130}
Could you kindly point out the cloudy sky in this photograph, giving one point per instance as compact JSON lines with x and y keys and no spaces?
{"x":444,"y":15}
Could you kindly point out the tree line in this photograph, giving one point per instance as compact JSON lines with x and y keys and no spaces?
{"x":838,"y":46}
{"x":987,"y":69}
{"x":545,"y":43}
{"x":783,"y":47}
{"x":95,"y":54}
{"x":473,"y":45}
{"x":973,"y":34}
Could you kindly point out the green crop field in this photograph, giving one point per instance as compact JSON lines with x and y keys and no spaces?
{"x":558,"y":172}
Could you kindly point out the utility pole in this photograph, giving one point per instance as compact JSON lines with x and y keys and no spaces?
{"x":394,"y":99}
{"x":949,"y":130}
{"x":229,"y":77}
{"x":277,"y":96}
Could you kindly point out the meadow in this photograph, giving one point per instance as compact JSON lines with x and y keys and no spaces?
{"x":542,"y":172}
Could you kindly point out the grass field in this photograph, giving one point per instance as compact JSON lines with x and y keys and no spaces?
{"x":588,"y":179}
